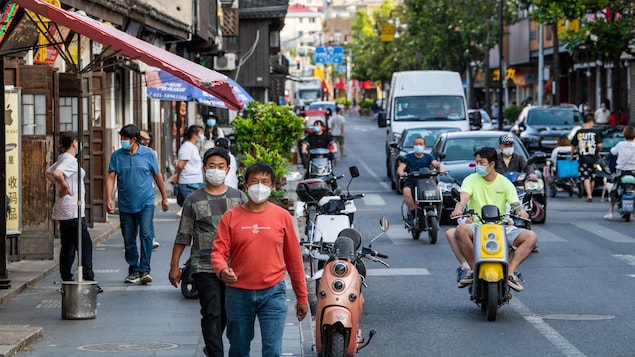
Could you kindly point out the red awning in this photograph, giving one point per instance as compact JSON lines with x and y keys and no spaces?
{"x":208,"y":80}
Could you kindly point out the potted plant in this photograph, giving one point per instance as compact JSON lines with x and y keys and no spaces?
{"x":267,"y":135}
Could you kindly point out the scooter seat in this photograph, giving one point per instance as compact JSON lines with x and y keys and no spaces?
{"x":628,"y":179}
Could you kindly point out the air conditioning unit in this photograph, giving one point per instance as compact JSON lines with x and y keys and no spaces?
{"x":227,"y":62}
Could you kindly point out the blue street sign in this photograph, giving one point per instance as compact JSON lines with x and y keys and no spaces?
{"x":341,"y":68}
{"x":329,"y":55}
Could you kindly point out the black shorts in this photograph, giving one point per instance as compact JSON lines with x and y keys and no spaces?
{"x":586,"y":171}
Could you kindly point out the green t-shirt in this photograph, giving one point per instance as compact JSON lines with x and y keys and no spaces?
{"x":499,"y":192}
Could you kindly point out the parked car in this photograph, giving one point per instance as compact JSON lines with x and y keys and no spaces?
{"x":486,"y":120}
{"x":405,"y":145}
{"x":456,"y":152}
{"x":540,"y":128}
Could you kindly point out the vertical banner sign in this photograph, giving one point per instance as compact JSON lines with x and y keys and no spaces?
{"x":13,"y":164}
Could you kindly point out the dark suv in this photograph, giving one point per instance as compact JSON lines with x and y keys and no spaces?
{"x":540,"y":128}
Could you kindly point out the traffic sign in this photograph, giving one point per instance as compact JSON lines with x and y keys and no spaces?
{"x":329,"y":55}
{"x":340,"y":68}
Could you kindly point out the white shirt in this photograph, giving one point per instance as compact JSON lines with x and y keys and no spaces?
{"x":625,"y":152}
{"x":559,"y":149}
{"x":231,"y":179}
{"x":192,"y":172}
{"x":335,"y":125}
{"x":65,"y":208}
{"x":602,"y":116}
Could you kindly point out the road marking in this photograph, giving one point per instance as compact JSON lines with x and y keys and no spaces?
{"x":629,"y":259}
{"x":176,"y":219}
{"x":397,"y":272}
{"x":373,"y":200}
{"x":606,"y":233}
{"x":539,"y":324}
{"x":546,"y":236}
{"x":372,"y":173}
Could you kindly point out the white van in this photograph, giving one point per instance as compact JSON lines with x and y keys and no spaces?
{"x":424,"y":98}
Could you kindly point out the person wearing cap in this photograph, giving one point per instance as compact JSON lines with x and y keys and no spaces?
{"x":202,"y":210}
{"x":211,"y":133}
{"x":509,"y":161}
{"x":134,"y":166}
{"x":336,"y":127}
{"x":232,"y":177}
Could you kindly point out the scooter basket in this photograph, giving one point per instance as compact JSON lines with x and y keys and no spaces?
{"x":310,"y":190}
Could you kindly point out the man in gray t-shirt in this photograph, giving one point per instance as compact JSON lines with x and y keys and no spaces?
{"x":336,"y":127}
{"x":202,"y":210}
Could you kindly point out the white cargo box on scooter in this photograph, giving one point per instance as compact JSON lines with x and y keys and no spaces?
{"x":328,"y":226}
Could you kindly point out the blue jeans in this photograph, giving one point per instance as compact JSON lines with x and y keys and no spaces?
{"x":211,"y":295}
{"x":141,"y":222}
{"x":69,"y":245}
{"x":187,"y":188}
{"x":270,"y":305}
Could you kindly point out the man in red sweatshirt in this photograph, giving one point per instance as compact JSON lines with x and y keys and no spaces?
{"x":255,"y":245}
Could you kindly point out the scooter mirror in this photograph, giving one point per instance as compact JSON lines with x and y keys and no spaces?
{"x":384,"y":224}
{"x":354,"y":171}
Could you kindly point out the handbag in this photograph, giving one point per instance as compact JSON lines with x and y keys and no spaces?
{"x":567,"y":168}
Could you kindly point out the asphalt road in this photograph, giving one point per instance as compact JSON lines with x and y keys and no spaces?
{"x":578,"y":289}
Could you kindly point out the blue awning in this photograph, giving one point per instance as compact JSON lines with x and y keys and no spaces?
{"x":164,"y":86}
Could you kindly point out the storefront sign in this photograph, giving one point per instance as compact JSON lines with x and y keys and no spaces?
{"x":13,"y":164}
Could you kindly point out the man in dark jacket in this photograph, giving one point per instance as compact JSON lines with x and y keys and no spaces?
{"x":509,"y":161}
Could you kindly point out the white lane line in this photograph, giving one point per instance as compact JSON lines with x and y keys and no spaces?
{"x":606,"y":233}
{"x":385,"y":185}
{"x":546,"y":236}
{"x":629,"y":259}
{"x":539,"y":324}
{"x":373,"y":200}
{"x":397,"y":272}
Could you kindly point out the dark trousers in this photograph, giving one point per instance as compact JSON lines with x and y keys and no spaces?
{"x":211,"y":295}
{"x":69,"y":242}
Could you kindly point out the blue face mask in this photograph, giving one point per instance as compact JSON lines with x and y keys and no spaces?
{"x":211,"y":122}
{"x":316,"y":129}
{"x":125,"y":144}
{"x":482,"y":170}
{"x":201,"y":139}
{"x":418,"y":149}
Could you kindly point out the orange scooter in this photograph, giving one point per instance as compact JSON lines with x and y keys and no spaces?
{"x":339,"y":296}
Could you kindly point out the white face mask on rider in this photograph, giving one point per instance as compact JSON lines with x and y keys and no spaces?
{"x":259,"y":193}
{"x":508,"y":151}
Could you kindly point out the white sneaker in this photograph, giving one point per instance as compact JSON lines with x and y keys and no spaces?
{"x":608,"y":216}
{"x":179,"y":212}
{"x":155,"y":244}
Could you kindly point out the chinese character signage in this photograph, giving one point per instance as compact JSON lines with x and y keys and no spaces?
{"x":13,"y":165}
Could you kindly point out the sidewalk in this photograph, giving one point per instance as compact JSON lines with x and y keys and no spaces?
{"x":297,"y":339}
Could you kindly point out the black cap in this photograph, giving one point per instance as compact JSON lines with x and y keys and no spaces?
{"x":216,"y":152}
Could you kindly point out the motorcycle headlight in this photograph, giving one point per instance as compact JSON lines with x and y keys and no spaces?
{"x":537,"y":185}
{"x":338,"y":285}
{"x":430,"y":194}
{"x":491,"y":246}
{"x":447,"y":186}
{"x":340,"y":269}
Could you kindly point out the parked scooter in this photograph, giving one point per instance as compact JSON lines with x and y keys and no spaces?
{"x":625,"y":194}
{"x":339,"y":298}
{"x":331,"y":214}
{"x":491,"y":260}
{"x":428,"y":202}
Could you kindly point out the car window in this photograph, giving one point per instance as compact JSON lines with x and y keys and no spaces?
{"x":553,"y":117}
{"x":430,"y":135}
{"x":432,"y":108}
{"x":610,"y":138}
{"x":464,"y":148}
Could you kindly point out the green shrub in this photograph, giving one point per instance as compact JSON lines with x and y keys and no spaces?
{"x":279,"y":164}
{"x":511,"y":113}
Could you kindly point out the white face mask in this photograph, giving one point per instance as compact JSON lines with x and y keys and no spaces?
{"x":215,"y":177}
{"x":259,"y":192}
{"x":508,"y":151}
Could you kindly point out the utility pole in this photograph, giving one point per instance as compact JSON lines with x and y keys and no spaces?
{"x":502,"y":75}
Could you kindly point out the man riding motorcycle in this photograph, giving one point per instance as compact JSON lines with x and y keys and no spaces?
{"x":414,"y":162}
{"x":508,"y":161}
{"x":481,"y":188}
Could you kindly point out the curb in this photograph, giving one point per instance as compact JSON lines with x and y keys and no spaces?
{"x":14,"y":339}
